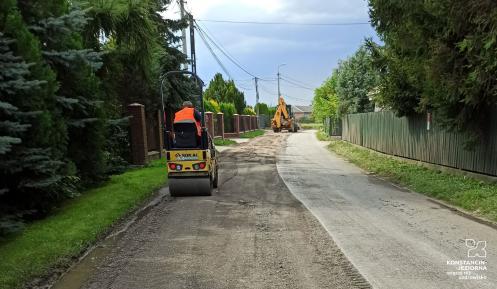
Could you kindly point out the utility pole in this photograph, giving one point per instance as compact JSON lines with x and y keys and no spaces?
{"x":279,"y":77}
{"x":192,"y":44}
{"x":183,"y":32}
{"x":279,"y":92}
{"x":257,"y":96}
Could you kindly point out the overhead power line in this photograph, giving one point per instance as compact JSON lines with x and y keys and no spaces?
{"x":263,"y":88}
{"x":284,"y":23}
{"x":205,"y":38}
{"x":295,"y":98}
{"x":296,"y":84}
{"x":202,"y":36}
{"x":223,"y":51}
{"x":296,"y":80}
{"x":242,"y":86}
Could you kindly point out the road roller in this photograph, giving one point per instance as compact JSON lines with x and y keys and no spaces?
{"x":192,"y":166}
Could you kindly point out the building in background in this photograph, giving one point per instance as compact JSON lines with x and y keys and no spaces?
{"x":302,"y":112}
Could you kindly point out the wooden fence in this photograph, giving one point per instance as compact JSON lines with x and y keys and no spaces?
{"x":410,"y":138}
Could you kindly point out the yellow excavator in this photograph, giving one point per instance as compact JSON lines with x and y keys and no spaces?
{"x":283,"y":118}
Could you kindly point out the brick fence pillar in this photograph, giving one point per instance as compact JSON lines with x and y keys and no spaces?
{"x":209,"y":123}
{"x":243,"y":127}
{"x":138,"y":134}
{"x":246,"y":124}
{"x":220,"y":123}
{"x":253,"y":120}
{"x":236,"y":124}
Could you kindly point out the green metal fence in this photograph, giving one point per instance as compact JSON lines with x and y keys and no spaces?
{"x":332,"y":126}
{"x":410,"y":138}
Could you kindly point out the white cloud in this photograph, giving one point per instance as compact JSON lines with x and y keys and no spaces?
{"x":281,"y":10}
{"x":249,"y":44}
{"x":202,"y":8}
{"x":310,"y":51}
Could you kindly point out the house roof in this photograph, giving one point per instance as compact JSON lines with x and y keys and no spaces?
{"x":302,"y":108}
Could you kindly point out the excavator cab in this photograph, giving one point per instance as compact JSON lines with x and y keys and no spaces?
{"x":192,"y":166}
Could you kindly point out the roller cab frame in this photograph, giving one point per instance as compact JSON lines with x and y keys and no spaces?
{"x":192,"y":166}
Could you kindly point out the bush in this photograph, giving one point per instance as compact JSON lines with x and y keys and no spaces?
{"x":211,"y":105}
{"x":249,"y":111}
{"x":228,"y":109}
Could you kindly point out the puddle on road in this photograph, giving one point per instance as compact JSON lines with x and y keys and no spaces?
{"x":81,"y":272}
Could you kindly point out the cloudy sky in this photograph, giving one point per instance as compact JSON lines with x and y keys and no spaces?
{"x":310,"y":52}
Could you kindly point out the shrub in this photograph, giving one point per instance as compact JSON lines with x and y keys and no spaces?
{"x":228,"y":109}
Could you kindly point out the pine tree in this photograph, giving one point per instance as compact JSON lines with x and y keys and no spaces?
{"x":78,"y":97}
{"x":28,"y":173}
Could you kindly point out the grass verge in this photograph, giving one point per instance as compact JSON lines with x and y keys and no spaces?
{"x":322,"y":136}
{"x":472,"y":195}
{"x":311,"y":125}
{"x":52,"y":242}
{"x":252,"y":134}
{"x":223,"y":142}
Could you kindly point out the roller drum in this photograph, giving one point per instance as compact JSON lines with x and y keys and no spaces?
{"x":190,"y":186}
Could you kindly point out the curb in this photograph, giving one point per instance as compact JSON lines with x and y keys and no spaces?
{"x":464,"y":213}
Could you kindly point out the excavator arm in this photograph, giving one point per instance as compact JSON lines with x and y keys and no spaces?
{"x":282,"y":106}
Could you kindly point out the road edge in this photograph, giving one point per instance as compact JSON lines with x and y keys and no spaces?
{"x":355,"y":274}
{"x":119,"y":227}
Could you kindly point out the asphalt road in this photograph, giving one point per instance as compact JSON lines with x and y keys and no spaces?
{"x":253,"y":233}
{"x":394,"y":237}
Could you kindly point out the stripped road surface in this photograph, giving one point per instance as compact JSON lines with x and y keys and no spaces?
{"x":251,"y":234}
{"x":394,"y":237}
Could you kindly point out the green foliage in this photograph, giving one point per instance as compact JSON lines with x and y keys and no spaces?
{"x":272,"y":111}
{"x":248,"y":111}
{"x":223,"y":142}
{"x":308,"y":119}
{"x":32,"y":147}
{"x":225,"y":91}
{"x":67,"y":71}
{"x":325,"y":102}
{"x":356,"y":80}
{"x":321,"y":135}
{"x":311,"y":125}
{"x":228,"y":109}
{"x":211,"y":105}
{"x":349,"y":88}
{"x":252,"y":134}
{"x":468,"y":193}
{"x":75,"y":226}
{"x":216,"y":88}
{"x":235,"y":96}
{"x":223,"y":96}
{"x":262,"y":108}
{"x":438,"y":56}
